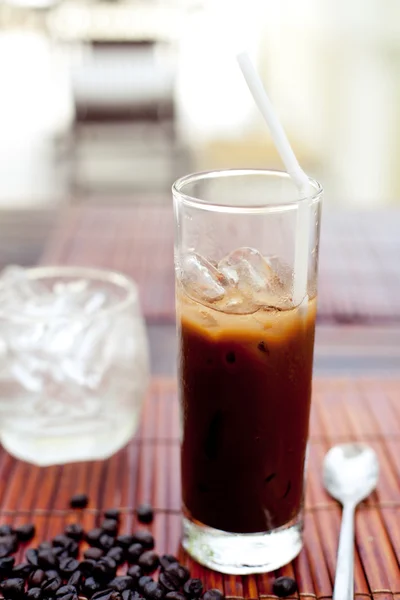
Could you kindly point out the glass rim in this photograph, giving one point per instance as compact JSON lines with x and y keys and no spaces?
{"x":179,"y":185}
{"x":119,"y":280}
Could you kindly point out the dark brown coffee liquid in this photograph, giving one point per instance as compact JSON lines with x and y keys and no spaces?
{"x":245,"y":387}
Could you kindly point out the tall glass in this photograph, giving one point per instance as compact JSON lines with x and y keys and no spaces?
{"x":245,"y":365}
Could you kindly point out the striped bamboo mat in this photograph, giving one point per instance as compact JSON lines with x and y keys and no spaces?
{"x":359,"y":266}
{"x":148,"y":470}
{"x":136,"y":240}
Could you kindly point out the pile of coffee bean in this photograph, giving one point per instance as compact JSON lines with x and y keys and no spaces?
{"x":56,"y":569}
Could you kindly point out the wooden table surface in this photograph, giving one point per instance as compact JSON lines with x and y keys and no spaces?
{"x":359,"y":276}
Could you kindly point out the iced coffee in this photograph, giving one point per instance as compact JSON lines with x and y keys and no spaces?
{"x":246,"y":311}
{"x":245,"y":380}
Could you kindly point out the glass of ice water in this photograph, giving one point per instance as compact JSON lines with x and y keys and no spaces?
{"x":74,"y":363}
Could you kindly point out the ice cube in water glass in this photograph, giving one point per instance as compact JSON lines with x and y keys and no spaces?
{"x":72,"y":375}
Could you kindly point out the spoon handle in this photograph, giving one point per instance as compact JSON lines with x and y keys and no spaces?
{"x":344,"y":580}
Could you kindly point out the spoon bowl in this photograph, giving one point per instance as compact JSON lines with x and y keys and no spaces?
{"x":350,"y":472}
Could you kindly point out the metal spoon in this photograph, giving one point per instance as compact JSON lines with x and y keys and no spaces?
{"x":350,"y":474}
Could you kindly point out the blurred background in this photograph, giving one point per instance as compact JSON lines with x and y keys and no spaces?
{"x":114,"y":99}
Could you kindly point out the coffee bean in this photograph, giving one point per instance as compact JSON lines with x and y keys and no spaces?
{"x":148,"y":561}
{"x":60,"y":552}
{"x":93,"y":536}
{"x":284,"y":586}
{"x":66,"y":589}
{"x":79,"y":501}
{"x":136,"y":595}
{"x":135,"y":572}
{"x":47,"y":559}
{"x":174,"y":576}
{"x":145,"y":538}
{"x":74,"y":531}
{"x":145,"y":513}
{"x":124,"y":540}
{"x":213,"y":594}
{"x":153,"y":591}
{"x":103,"y":594}
{"x":117,"y":553}
{"x":177,"y":573}
{"x":110,"y":526}
{"x":93,"y":553}
{"x":107,"y":594}
{"x":6,"y":565}
{"x":121,"y":583}
{"x":61,"y":541}
{"x":50,"y":586}
{"x":106,"y":541}
{"x":73,"y":549}
{"x":86,"y":566}
{"x":109,"y":562}
{"x":36,"y":578}
{"x":100,"y":571}
{"x":134,"y":552}
{"x":44,"y":546}
{"x":31,"y":556}
{"x":34,"y":593}
{"x":167,"y":583}
{"x":5,"y":530}
{"x":112,"y":513}
{"x":76,"y":580}
{"x":70,"y":596}
{"x":175,"y":596}
{"x":167,"y":559}
{"x":11,"y":540}
{"x":142,"y":581}
{"x":13,"y":588}
{"x":193,"y":588}
{"x":131,"y":595}
{"x":8,"y":545}
{"x":22,"y":570}
{"x":68,"y":566}
{"x":51,"y":573}
{"x":105,"y":568}
{"x":91,"y":586}
{"x":25,"y":532}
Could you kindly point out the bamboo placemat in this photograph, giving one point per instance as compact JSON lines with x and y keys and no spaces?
{"x":147,"y":470}
{"x":136,"y":240}
{"x":359,"y":277}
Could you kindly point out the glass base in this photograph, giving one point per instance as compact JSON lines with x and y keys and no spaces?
{"x":242,"y":553}
{"x":56,"y":446}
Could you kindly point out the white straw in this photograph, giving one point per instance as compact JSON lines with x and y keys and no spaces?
{"x":301,"y":180}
